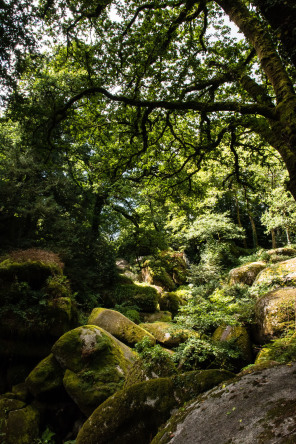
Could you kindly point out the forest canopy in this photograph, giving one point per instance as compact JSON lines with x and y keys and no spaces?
{"x":125,"y":123}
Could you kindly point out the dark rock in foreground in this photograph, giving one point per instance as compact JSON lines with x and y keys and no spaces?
{"x":254,"y":408}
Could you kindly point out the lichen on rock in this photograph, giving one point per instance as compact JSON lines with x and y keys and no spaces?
{"x":246,"y":274}
{"x":95,"y":365}
{"x":134,"y":414}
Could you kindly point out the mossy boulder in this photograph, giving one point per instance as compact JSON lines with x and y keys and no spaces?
{"x":134,"y":414}
{"x":167,"y":334}
{"x":119,"y":326}
{"x":46,"y":377}
{"x":19,"y":423}
{"x":95,"y":365}
{"x":170,"y":302}
{"x":253,"y":408}
{"x":274,"y":314}
{"x":36,"y":307}
{"x":281,"y":350}
{"x":278,"y":254}
{"x":35,"y":295}
{"x":158,"y":316}
{"x":281,"y":273}
{"x":143,"y":296}
{"x":246,"y":274}
{"x":240,"y":337}
{"x":167,"y":270}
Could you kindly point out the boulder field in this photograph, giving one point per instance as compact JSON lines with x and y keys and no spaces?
{"x":253,"y":408}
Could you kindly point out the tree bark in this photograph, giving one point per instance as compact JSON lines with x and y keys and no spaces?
{"x":273,"y":238}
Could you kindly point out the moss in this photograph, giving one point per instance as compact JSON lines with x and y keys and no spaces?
{"x":35,"y":273}
{"x":20,"y":391}
{"x":239,"y":335}
{"x":282,"y":412}
{"x":282,"y":350}
{"x":166,"y":270}
{"x":119,"y":326}
{"x":91,"y":387}
{"x":246,"y":274}
{"x":170,"y":302}
{"x":19,"y":424}
{"x":167,"y":334}
{"x":81,"y":347}
{"x":45,"y":377}
{"x":141,"y":295}
{"x":134,"y":414}
{"x":159,"y":316}
{"x":95,"y":364}
{"x":275,"y":314}
{"x":282,"y":273}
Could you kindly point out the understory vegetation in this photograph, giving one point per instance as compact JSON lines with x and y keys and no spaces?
{"x":148,"y":184}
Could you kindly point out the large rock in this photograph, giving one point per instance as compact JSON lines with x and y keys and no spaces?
{"x":171,"y":302}
{"x":166,"y":270}
{"x":281,"y":350}
{"x":274,"y":314}
{"x":36,"y":307}
{"x":134,"y":415}
{"x":246,"y":274}
{"x":278,"y":254}
{"x":254,"y":408}
{"x":240,"y":336}
{"x":119,"y":326}
{"x":19,"y":423}
{"x":282,"y":273}
{"x":95,"y":365}
{"x":46,"y":377}
{"x":167,"y":334}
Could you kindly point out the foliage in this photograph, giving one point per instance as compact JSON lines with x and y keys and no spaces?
{"x":281,"y":212}
{"x":202,"y":315}
{"x":130,"y":311}
{"x":155,"y":359}
{"x":200,"y":353}
{"x":282,"y":350}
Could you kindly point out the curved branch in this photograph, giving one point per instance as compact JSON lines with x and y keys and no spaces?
{"x":241,"y":108}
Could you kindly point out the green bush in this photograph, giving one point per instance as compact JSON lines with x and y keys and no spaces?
{"x":155,"y":359}
{"x":204,"y":354}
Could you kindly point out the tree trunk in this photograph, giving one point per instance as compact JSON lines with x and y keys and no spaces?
{"x":281,"y":15}
{"x":284,"y":123}
{"x":288,"y":236}
{"x":273,"y":238}
{"x":239,"y":218}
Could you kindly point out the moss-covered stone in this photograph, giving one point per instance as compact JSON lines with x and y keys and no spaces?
{"x":171,"y":302}
{"x":253,"y":408}
{"x":240,"y":336}
{"x":143,"y":296}
{"x":282,"y":350}
{"x":134,"y":414}
{"x":158,"y":316}
{"x":274,"y":314}
{"x":95,"y":365}
{"x":278,"y":254}
{"x":119,"y":326}
{"x":20,"y":391}
{"x":19,"y":424}
{"x":282,"y":273}
{"x":246,"y":274}
{"x":166,"y":270}
{"x":168,"y":334}
{"x":45,"y":377}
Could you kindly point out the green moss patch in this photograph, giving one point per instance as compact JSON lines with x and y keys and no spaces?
{"x":134,"y":414}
